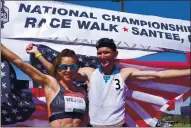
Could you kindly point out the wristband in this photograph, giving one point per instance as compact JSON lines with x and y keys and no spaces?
{"x":38,"y":54}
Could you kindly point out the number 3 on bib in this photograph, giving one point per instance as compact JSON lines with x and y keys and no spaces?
{"x":117,"y":84}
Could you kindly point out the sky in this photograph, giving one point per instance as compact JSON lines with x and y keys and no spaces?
{"x":168,"y":9}
{"x":176,"y":9}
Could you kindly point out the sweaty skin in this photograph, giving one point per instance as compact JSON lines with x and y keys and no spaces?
{"x":107,"y":59}
{"x":51,"y":85}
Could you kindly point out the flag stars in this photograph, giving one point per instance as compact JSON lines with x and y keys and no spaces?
{"x":49,"y":58}
{"x":4,"y":112}
{"x":44,"y":71}
{"x":93,"y":61}
{"x":14,"y":111}
{"x":2,"y":74}
{"x":27,"y":103}
{"x":2,"y":65}
{"x":80,"y":59}
{"x":87,"y":64}
{"x":23,"y":94}
{"x":39,"y":66}
{"x":125,"y":29}
{"x":6,"y":95}
{"x":54,"y":54}
{"x":3,"y":85}
{"x":8,"y":119}
{"x":19,"y":117}
{"x":42,"y":51}
{"x":14,"y":97}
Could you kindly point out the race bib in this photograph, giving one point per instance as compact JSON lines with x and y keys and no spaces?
{"x":74,"y":103}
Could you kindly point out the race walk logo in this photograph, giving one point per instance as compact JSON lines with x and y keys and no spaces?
{"x":4,"y":14}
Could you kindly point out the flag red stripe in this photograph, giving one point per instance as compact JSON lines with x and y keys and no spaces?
{"x":22,"y":125}
{"x":164,"y":94}
{"x":171,"y":104}
{"x":38,"y":92}
{"x":44,"y":117}
{"x":158,"y":64}
{"x":146,"y":106}
{"x":186,"y":95}
{"x":158,"y":114}
{"x":188,"y":56}
{"x":139,"y":121}
{"x":42,"y":107}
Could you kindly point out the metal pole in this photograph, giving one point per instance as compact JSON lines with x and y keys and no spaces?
{"x":122,"y":5}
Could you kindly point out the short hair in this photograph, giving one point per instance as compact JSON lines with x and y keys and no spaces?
{"x":106,"y":42}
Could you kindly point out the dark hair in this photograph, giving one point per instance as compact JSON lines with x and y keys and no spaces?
{"x":57,"y":60}
{"x":106,"y":42}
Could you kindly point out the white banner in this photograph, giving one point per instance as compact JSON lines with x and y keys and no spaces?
{"x":73,"y":23}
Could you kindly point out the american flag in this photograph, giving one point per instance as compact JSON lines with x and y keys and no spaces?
{"x":146,"y":101}
{"x":16,"y":101}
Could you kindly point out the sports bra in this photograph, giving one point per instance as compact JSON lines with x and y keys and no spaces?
{"x":67,"y":105}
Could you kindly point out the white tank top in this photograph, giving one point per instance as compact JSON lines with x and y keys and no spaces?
{"x":106,"y":98}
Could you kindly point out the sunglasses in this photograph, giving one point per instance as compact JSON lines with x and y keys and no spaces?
{"x":65,"y":66}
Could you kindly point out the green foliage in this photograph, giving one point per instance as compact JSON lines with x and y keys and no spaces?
{"x":181,"y":125}
{"x":176,"y":120}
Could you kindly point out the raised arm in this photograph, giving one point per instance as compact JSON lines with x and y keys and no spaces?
{"x":135,"y":74}
{"x":28,"y":69}
{"x":34,"y":50}
{"x":160,"y":74}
